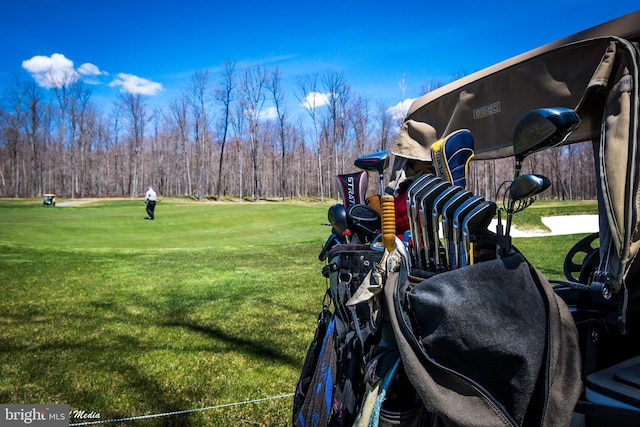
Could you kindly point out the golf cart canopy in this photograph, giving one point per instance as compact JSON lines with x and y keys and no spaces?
{"x":595,"y":73}
{"x":565,"y":73}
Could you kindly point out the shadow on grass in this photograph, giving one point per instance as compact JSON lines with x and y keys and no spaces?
{"x":239,"y":344}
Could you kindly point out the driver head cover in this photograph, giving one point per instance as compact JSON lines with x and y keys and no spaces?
{"x":451,"y":156}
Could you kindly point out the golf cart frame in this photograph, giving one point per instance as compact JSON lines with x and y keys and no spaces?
{"x":595,"y":73}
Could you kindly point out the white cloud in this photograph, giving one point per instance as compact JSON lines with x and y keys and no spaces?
{"x":88,"y":69}
{"x":269,"y":113}
{"x":57,"y":71}
{"x":135,"y":85}
{"x":51,"y":71}
{"x":399,"y":111}
{"x":315,"y":100}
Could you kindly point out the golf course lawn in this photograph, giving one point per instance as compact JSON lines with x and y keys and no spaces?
{"x":209,"y":305}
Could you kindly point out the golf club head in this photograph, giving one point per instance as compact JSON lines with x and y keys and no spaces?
{"x":458,"y":218}
{"x":415,"y":211}
{"x":375,"y":162}
{"x":332,"y":241}
{"x":438,"y":205}
{"x":478,"y":219}
{"x":543,"y":128}
{"x":338,"y":218}
{"x":426,"y":206}
{"x":412,"y":189}
{"x":528,"y":185}
{"x":448,"y":212}
{"x":410,"y":203}
{"x":364,"y":221}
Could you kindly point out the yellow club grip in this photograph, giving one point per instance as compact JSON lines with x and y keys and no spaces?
{"x":388,"y":222}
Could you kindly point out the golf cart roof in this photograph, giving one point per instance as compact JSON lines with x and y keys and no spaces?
{"x":490,"y":102}
{"x":49,"y":195}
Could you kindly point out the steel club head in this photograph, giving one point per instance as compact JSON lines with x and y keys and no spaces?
{"x":376,"y":162}
{"x":478,"y":219}
{"x":448,"y":212}
{"x":426,"y":206}
{"x":414,"y":215}
{"x":528,"y":185}
{"x":436,"y":211}
{"x":458,"y":218}
{"x":543,"y":128}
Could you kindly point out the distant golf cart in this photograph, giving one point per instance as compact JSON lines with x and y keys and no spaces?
{"x":49,"y":200}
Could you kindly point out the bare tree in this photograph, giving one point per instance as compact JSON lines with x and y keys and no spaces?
{"x":253,"y":96}
{"x":384,"y":125}
{"x":309,"y":98}
{"x":238,"y":124}
{"x":136,"y":114}
{"x":359,"y":117}
{"x":12,"y":119}
{"x":338,"y":91}
{"x":83,"y":121}
{"x":33,"y":131}
{"x":63,"y":85}
{"x":224,"y":95}
{"x":180,"y":117}
{"x":277,"y":93}
{"x":199,"y":99}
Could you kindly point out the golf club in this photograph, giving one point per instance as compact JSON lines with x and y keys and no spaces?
{"x":409,"y":200}
{"x":478,"y":219}
{"x":376,"y":162}
{"x":438,"y":205}
{"x":522,"y":190}
{"x":458,"y":218}
{"x":364,"y":222}
{"x":337,"y":217}
{"x":447,"y":220}
{"x":426,"y":206}
{"x":541,"y":129}
{"x":333,"y":240}
{"x":415,"y":210}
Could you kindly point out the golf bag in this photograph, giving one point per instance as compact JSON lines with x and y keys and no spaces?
{"x":331,"y":384}
{"x":485,"y":345}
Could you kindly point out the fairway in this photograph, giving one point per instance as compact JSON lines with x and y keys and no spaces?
{"x":210,"y":304}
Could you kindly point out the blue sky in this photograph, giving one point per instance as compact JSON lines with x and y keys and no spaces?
{"x":155,"y":46}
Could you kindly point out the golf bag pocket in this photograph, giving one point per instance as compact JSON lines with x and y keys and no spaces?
{"x":347,"y":268}
{"x":488,"y":344}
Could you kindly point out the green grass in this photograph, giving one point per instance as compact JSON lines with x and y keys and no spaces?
{"x":209,"y":304}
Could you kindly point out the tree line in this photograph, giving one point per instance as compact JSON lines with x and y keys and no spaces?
{"x":228,"y":135}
